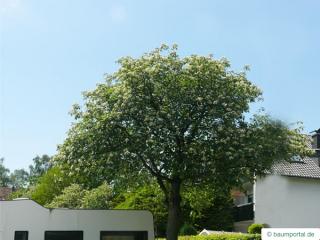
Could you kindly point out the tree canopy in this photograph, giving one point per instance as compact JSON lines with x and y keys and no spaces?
{"x":19,"y":179}
{"x":149,"y":197}
{"x":75,"y":196}
{"x":41,"y":164}
{"x":4,"y":174}
{"x":182,"y":121}
{"x":50,"y":185}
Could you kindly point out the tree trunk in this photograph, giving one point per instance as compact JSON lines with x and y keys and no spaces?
{"x":174,"y":211}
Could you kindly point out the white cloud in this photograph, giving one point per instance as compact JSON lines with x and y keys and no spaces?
{"x":118,"y":13}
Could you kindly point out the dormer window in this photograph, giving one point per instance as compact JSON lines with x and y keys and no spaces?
{"x":296,"y":159}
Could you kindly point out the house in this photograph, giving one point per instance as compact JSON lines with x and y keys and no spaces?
{"x":286,"y":197}
{"x":25,"y":219}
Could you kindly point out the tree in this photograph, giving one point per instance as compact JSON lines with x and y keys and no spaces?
{"x":207,"y":207}
{"x":75,"y":196}
{"x":50,"y":185}
{"x":218,"y":216}
{"x":39,"y":167}
{"x":4,"y":174}
{"x":151,"y":198}
{"x":35,"y":184}
{"x":71,"y":197}
{"x":19,"y":178}
{"x":181,"y":120}
{"x":98,"y":198}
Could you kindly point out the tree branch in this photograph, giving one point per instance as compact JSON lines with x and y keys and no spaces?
{"x":164,"y":189}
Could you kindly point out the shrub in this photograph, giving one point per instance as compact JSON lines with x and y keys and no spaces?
{"x":224,"y":236}
{"x":255,"y":228}
{"x":187,"y":229}
{"x":20,"y":193}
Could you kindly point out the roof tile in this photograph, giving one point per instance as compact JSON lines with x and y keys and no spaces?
{"x":306,"y":168}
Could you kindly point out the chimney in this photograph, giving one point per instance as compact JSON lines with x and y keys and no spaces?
{"x":316,"y":142}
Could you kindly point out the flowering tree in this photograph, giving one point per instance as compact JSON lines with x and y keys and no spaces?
{"x":181,"y":121}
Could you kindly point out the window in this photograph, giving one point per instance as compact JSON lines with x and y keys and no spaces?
{"x":63,"y":235}
{"x":296,"y":159}
{"x":21,"y":235}
{"x":124,"y":235}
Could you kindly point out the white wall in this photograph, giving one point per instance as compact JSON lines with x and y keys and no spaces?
{"x":287,"y":201}
{"x":26,"y":215}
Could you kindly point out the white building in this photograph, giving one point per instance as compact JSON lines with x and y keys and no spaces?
{"x":25,"y":219}
{"x":287,"y":197}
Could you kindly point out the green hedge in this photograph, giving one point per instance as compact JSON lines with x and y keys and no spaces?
{"x":255,"y":228}
{"x":223,"y":236}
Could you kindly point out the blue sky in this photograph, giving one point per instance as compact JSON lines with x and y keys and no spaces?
{"x":51,"y":51}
